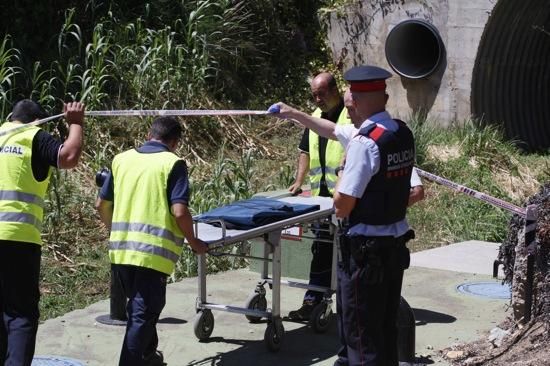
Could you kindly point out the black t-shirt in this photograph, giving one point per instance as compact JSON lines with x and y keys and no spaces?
{"x":45,"y":149}
{"x":333,"y":116}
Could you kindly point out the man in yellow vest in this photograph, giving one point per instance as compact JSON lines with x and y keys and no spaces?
{"x":144,"y":202}
{"x":26,"y":159}
{"x":320,"y":157}
{"x":372,"y":196}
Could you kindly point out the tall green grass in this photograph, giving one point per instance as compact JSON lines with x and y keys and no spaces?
{"x":478,"y":157}
{"x":184,"y":54}
{"x":189,"y":54}
{"x":8,"y":71}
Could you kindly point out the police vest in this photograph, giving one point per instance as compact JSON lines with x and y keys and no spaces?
{"x":21,"y":195}
{"x":333,"y":157}
{"x":144,"y":233}
{"x":386,"y":196}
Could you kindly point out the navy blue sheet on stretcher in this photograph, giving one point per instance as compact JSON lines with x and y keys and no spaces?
{"x":255,"y":212}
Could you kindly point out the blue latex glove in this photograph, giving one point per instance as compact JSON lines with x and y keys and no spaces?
{"x":274,"y":108}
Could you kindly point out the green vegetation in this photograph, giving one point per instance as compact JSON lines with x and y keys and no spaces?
{"x":477,"y":157}
{"x":210,"y":54}
{"x":168,"y":54}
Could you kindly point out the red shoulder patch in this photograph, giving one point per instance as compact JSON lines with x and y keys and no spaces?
{"x":376,"y":133}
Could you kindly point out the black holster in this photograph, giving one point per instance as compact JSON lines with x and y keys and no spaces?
{"x":366,"y":253}
{"x":369,"y":253}
{"x":403,"y":251}
{"x":343,"y":240}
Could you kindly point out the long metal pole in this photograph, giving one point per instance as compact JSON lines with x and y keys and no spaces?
{"x":175,"y":112}
{"x":146,"y":113}
{"x":27,"y":125}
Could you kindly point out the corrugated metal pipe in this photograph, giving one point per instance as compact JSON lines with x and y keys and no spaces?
{"x":511,"y":76}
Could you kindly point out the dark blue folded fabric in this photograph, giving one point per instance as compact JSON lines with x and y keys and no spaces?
{"x":255,"y":212}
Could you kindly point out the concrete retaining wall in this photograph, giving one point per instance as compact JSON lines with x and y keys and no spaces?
{"x":357,"y":35}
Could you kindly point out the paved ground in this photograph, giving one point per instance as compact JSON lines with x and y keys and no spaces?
{"x":443,"y":316}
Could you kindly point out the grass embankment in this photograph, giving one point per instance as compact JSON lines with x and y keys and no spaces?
{"x":479,"y":158}
{"x":75,"y":264}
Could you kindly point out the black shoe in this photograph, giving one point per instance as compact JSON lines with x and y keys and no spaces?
{"x":301,"y":314}
{"x":154,"y":359}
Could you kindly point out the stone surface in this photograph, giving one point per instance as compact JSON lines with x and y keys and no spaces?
{"x":357,"y":33}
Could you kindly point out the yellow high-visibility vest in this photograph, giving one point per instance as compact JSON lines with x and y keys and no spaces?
{"x":21,"y":195}
{"x":144,"y":233}
{"x":333,"y":157}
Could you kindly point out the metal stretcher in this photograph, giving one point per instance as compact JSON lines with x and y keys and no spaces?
{"x":218,"y":236}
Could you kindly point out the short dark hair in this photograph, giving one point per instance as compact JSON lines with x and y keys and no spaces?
{"x":27,"y":110}
{"x":166,"y":129}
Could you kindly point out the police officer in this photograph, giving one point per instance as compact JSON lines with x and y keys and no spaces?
{"x":321,"y":157}
{"x":372,"y":195}
{"x":26,"y":159}
{"x":144,"y":202}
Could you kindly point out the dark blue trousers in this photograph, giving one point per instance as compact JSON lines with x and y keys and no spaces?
{"x":320,"y":271}
{"x":19,"y":297}
{"x":146,"y":292}
{"x":367,"y":311}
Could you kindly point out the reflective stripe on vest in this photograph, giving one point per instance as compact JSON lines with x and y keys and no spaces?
{"x":144,"y":248}
{"x":333,"y":157}
{"x":144,"y":233}
{"x":317,"y":186}
{"x":21,"y":195}
{"x":147,"y":229}
{"x":19,"y":217}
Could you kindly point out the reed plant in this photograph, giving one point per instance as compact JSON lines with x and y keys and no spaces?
{"x":9,"y":57}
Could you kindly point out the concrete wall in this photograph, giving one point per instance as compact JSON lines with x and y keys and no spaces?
{"x":357,"y":35}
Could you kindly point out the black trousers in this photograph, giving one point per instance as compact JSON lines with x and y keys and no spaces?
{"x":367,"y":306}
{"x":19,"y":297}
{"x":146,"y":292}
{"x":320,"y":270}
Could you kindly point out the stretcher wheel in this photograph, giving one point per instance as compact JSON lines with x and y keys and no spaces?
{"x":320,"y":317}
{"x":273,"y":336}
{"x":203,"y":324}
{"x":256,"y":302}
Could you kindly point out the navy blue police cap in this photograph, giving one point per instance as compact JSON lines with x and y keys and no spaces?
{"x":367,"y":78}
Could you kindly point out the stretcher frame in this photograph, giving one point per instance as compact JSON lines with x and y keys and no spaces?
{"x":256,"y":306}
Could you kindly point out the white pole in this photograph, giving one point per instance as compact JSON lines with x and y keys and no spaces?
{"x":175,"y":112}
{"x":30,"y":124}
{"x":144,"y":113}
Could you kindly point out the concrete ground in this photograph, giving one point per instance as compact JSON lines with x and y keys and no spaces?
{"x":443,"y":316}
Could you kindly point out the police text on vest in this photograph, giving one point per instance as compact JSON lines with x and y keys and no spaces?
{"x":17,"y":150}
